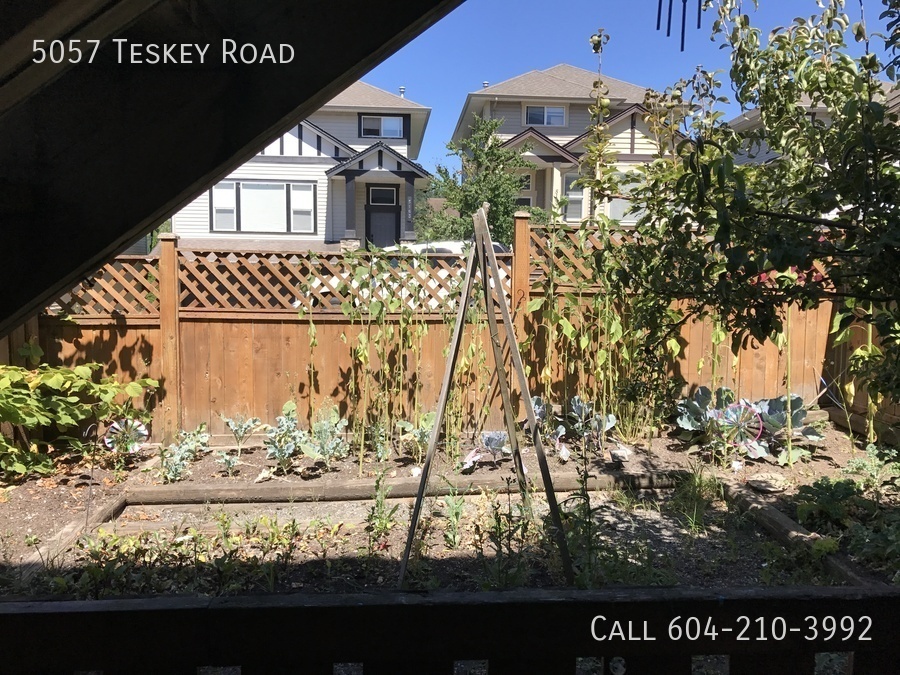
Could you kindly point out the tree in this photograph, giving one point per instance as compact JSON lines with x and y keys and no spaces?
{"x":817,"y":221}
{"x":487,"y":175}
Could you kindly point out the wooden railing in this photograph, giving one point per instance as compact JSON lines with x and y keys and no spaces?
{"x":536,"y":632}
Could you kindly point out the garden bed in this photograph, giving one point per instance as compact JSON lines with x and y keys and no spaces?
{"x":657,"y":536}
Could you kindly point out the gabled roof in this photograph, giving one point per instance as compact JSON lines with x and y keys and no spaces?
{"x":532,"y":134}
{"x":612,"y":120}
{"x":563,"y":81}
{"x":331,"y":137}
{"x":375,"y":147}
{"x":362,"y":95}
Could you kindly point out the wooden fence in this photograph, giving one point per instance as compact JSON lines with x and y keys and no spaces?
{"x":229,"y":332}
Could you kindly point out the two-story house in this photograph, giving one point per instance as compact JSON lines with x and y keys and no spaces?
{"x":547,"y":112}
{"x":345,"y":174}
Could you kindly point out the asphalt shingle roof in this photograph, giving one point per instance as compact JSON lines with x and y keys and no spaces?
{"x":563,"y":81}
{"x":362,"y":95}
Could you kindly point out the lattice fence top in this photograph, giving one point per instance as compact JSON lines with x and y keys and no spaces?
{"x":563,"y":252}
{"x":128,"y":286}
{"x":323,"y":282}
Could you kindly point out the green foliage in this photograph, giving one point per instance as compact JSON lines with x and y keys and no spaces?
{"x":176,"y":459}
{"x":285,"y":438}
{"x":417,"y":435}
{"x":829,"y":506}
{"x":58,"y":399}
{"x":878,"y":543}
{"x":454,"y":504}
{"x":326,"y":441}
{"x":241,"y":428}
{"x":877,"y":472}
{"x":380,"y":519}
{"x":506,"y":540}
{"x":693,"y":496}
{"x":228,"y":461}
{"x":487,"y":175}
{"x":754,"y":429}
{"x":815,"y":222}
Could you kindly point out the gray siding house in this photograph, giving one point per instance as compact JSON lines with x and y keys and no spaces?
{"x":344,"y":175}
{"x":548,"y":111}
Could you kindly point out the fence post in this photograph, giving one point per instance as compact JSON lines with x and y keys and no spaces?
{"x":170,"y":417}
{"x":521,"y":269}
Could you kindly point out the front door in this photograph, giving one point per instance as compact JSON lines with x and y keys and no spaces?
{"x":382,"y":216}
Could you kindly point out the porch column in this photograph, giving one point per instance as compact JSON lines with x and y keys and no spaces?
{"x":350,"y":197}
{"x":555,"y":184}
{"x":408,"y":232}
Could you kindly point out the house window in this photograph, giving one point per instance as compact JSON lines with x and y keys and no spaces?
{"x":526,"y":192}
{"x":302,"y":203}
{"x":263,"y":207}
{"x":383,"y":196}
{"x":545,"y":115}
{"x":224,"y":200}
{"x":574,"y":196}
{"x":381,"y":127}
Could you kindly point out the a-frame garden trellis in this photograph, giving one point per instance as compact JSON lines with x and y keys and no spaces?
{"x":482,"y":255}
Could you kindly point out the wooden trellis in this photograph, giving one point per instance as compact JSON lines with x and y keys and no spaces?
{"x":319,"y":283}
{"x":483,"y":259}
{"x":128,"y":286}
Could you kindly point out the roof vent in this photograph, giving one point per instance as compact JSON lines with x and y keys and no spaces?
{"x":484,"y":85}
{"x":402,"y":91}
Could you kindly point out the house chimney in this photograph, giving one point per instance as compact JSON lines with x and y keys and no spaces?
{"x":402,"y":91}
{"x":484,"y":85}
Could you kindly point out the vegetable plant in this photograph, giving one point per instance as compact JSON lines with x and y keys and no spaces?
{"x":285,"y":438}
{"x":326,"y":440}
{"x":241,"y":428}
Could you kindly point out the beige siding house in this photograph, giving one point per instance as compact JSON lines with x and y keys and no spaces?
{"x":548,"y":111}
{"x":345,"y":174}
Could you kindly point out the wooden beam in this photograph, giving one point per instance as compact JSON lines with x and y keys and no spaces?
{"x":113,"y":171}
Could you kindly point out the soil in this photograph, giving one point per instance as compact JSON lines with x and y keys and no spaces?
{"x":727,"y":552}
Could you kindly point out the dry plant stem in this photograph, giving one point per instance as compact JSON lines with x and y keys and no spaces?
{"x":439,"y":414}
{"x":787,"y":384}
{"x":559,"y":534}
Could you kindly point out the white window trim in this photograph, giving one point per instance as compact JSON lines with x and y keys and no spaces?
{"x":583,"y":199}
{"x":528,"y":197}
{"x":535,"y":104}
{"x":289,"y":212}
{"x":531,"y":194}
{"x":381,"y":118}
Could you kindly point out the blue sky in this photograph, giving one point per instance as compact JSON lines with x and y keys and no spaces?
{"x":494,"y":40}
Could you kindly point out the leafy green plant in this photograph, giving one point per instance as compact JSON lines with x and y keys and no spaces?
{"x":176,"y":459}
{"x":58,"y":399}
{"x":376,"y":437}
{"x":454,"y":504}
{"x":877,"y":472}
{"x":504,"y":540}
{"x":228,"y":461}
{"x":241,"y":428}
{"x":878,"y":543}
{"x":414,"y":437}
{"x":326,"y":440}
{"x":285,"y":438}
{"x":380,"y":519}
{"x":754,"y":429}
{"x":829,"y":506}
